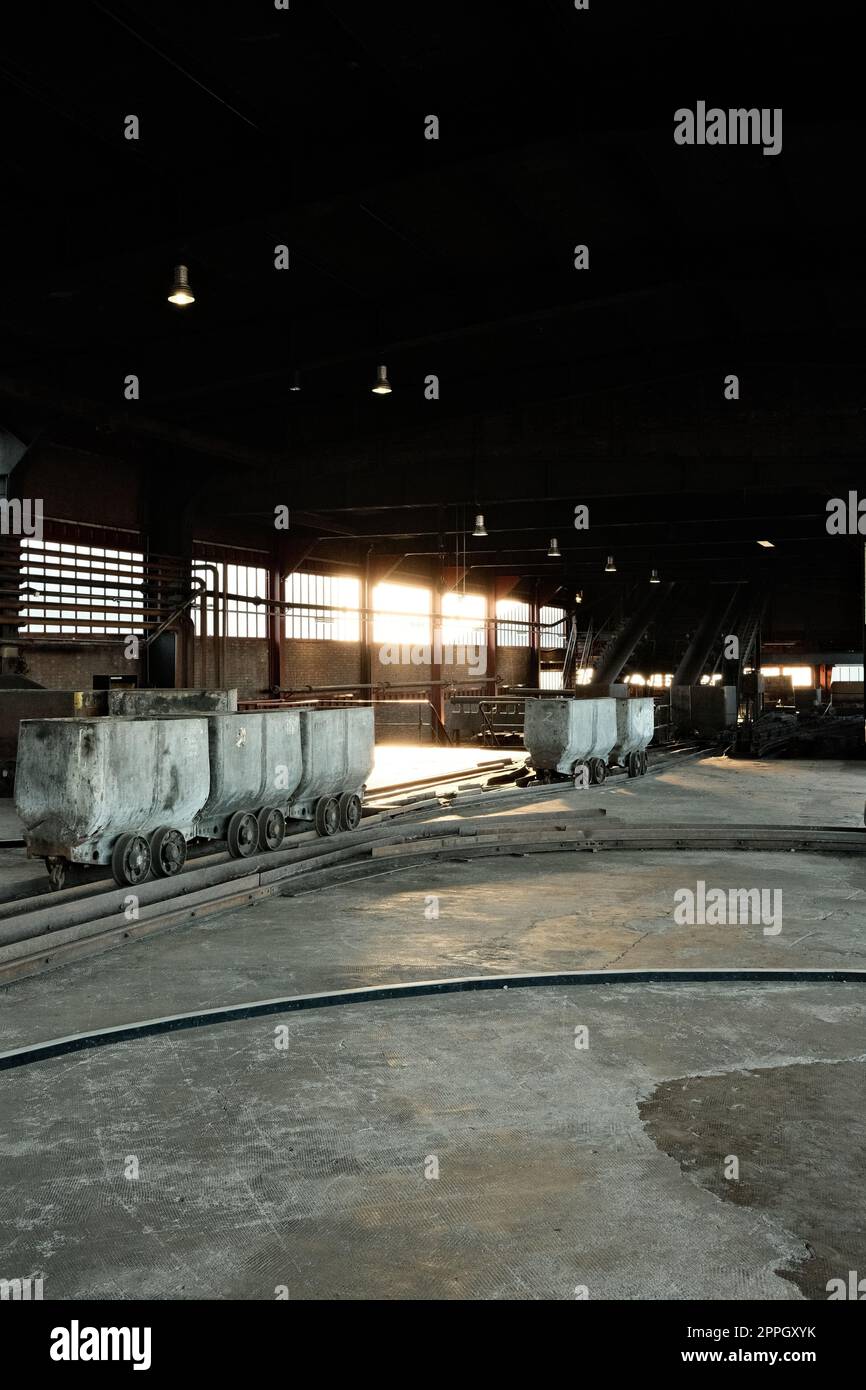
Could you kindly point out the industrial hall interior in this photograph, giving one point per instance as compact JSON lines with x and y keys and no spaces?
{"x":432,"y":524}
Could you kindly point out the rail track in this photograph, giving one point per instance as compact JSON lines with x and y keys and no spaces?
{"x":49,"y":929}
{"x":261,"y":1008}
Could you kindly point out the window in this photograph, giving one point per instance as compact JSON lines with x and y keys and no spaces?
{"x":714,"y":679}
{"x":846,"y":673}
{"x":244,"y":583}
{"x":463,"y":620}
{"x":800,"y":675}
{"x":512,"y":623}
{"x":401,"y":614}
{"x":329,"y":607}
{"x":80,"y":589}
{"x":585,"y":675}
{"x":552,"y":623}
{"x":551,"y":678}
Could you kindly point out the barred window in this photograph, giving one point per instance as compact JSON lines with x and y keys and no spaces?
{"x":244,"y":583}
{"x":845,"y":673}
{"x":401,"y":613}
{"x":463,"y":622}
{"x":551,"y":678}
{"x":328,"y":608}
{"x":552,"y":622}
{"x":85,"y":590}
{"x":512,"y":623}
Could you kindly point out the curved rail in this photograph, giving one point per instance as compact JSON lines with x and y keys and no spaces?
{"x":373,"y":994}
{"x":52,"y":932}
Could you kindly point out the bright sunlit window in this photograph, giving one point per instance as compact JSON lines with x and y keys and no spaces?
{"x":328,"y":610}
{"x":585,"y":675}
{"x":846,"y":673}
{"x":463,"y":620}
{"x":401,"y":613}
{"x":800,"y":675}
{"x":551,"y":679}
{"x":552,"y":623}
{"x":81,"y":589}
{"x":512,"y":623}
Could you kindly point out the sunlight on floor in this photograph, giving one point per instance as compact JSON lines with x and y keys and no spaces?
{"x":400,"y":762}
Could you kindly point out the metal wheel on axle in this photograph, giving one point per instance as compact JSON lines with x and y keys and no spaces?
{"x":242,"y":835}
{"x":327,"y":816}
{"x":632,"y":763}
{"x":130,"y":860}
{"x":350,"y":811}
{"x":167,"y":851}
{"x":597,"y":771}
{"x":272,"y":827}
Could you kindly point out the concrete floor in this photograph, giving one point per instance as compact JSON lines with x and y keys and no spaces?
{"x":558,"y":1167}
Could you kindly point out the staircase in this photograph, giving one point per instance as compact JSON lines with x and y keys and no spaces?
{"x":577,"y":652}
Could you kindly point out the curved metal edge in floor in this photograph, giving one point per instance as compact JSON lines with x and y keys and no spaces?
{"x":150,"y":1028}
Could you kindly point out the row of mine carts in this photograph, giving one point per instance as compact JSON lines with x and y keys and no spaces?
{"x":134,"y":792}
{"x":580,"y":740}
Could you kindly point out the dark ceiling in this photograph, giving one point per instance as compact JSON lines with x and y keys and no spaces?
{"x":454,"y":257}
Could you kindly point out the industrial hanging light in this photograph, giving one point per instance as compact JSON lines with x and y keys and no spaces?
{"x":296,"y":381}
{"x":654,"y":577}
{"x":381,"y":386}
{"x":181,"y":293}
{"x":578,"y":598}
{"x":768,"y":545}
{"x":610,"y":567}
{"x":553,"y":552}
{"x":480,"y":528}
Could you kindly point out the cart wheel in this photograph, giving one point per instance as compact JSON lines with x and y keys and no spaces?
{"x":130,"y":860}
{"x":327,"y":816}
{"x":644,"y":762}
{"x":272,"y":827}
{"x":58,"y":873}
{"x":167,"y":851}
{"x":597,"y":771}
{"x":242,"y":835}
{"x":632,"y":763}
{"x":350,"y":811}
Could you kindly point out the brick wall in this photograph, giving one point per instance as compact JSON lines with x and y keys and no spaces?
{"x":513,"y":665}
{"x":320,"y":663}
{"x":74,"y":669}
{"x":247,"y":665}
{"x":303,"y":663}
{"x":246,"y":660}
